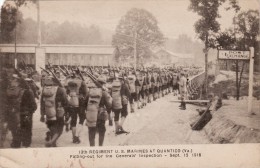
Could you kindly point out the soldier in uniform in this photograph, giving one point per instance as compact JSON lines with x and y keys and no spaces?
{"x":183,"y":90}
{"x":154,"y":85}
{"x":76,"y":90}
{"x":3,"y":103}
{"x":125,"y":93}
{"x":108,"y":85}
{"x":149,"y":87}
{"x":133,"y":96}
{"x":98,"y":102}
{"x":159,"y":84}
{"x":175,"y":84}
{"x":118,"y":91}
{"x":20,"y":108}
{"x":139,"y":90}
{"x":53,"y":105}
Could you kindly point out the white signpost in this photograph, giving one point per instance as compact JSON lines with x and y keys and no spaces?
{"x":234,"y":55}
{"x":242,"y":55}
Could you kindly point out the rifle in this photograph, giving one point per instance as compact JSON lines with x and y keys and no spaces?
{"x":45,"y":71}
{"x":91,"y":70}
{"x":97,"y":83}
{"x":63,"y":72}
{"x":66,"y":69}
{"x":55,"y":77}
{"x":80,"y":74}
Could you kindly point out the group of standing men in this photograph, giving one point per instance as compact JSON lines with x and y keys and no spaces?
{"x":71,"y":97}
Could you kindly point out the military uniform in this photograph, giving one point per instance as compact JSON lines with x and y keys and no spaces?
{"x":133,"y":96}
{"x":76,"y":90}
{"x":53,"y":105}
{"x":98,"y":102}
{"x":183,"y":90}
{"x":20,"y":108}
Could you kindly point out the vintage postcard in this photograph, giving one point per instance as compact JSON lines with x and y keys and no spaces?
{"x":129,"y":83}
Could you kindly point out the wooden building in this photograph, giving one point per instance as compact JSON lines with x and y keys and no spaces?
{"x":31,"y":54}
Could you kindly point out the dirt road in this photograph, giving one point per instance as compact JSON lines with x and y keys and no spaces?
{"x":159,"y":123}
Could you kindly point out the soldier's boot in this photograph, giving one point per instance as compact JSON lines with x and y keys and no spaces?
{"x":142,"y":102}
{"x":116,"y":127}
{"x":121,"y":129}
{"x":163,"y":92}
{"x":67,"y":123}
{"x":53,"y":140}
{"x":91,"y":135}
{"x":101,"y":137}
{"x":183,"y":106}
{"x":149,"y":98}
{"x":48,"y":136}
{"x":78,"y":133}
{"x":122,"y":123}
{"x":138,"y":104}
{"x":132,"y":108}
{"x":74,"y":137}
{"x":154,"y":96}
{"x":110,"y":119}
{"x":16,"y":141}
{"x":145,"y":100}
{"x":3,"y":133}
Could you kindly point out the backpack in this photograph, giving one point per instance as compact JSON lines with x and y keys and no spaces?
{"x":73,"y":87}
{"x":131,"y":80}
{"x":116,"y":95}
{"x":49,"y":95}
{"x":14,"y":98}
{"x":95,"y":95}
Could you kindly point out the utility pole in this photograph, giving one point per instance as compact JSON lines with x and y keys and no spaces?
{"x":38,"y":24}
{"x":15,"y":37}
{"x":135,"y":49}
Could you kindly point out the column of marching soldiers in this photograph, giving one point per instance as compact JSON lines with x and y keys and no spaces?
{"x":70,"y":96}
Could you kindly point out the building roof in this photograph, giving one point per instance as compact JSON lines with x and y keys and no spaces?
{"x":179,"y":55}
{"x":59,"y":48}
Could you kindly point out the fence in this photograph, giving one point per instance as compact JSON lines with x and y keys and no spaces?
{"x":194,"y":86}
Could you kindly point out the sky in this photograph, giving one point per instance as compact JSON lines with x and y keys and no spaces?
{"x":173,"y":16}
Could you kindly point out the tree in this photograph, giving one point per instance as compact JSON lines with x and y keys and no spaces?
{"x":208,"y":25}
{"x":10,"y":17}
{"x":139,"y":25}
{"x":244,"y":36}
{"x":247,"y":28}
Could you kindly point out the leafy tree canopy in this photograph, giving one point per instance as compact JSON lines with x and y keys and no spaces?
{"x":148,"y":34}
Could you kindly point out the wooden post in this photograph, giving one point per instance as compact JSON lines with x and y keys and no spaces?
{"x":251,"y":80}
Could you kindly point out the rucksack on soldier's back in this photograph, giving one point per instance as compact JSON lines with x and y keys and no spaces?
{"x":49,"y":95}
{"x":73,"y":87}
{"x":116,"y":95}
{"x":95,"y":95}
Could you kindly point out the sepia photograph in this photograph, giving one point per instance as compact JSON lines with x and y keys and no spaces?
{"x":129,"y":83}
